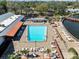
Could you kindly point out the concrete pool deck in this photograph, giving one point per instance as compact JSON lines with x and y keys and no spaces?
{"x":25,"y":43}
{"x":51,"y":35}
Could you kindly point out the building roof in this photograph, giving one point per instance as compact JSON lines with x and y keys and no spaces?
{"x":14,"y":29}
{"x":7,"y":22}
{"x":72,"y":10}
{"x":21,"y":17}
{"x":5,"y":16}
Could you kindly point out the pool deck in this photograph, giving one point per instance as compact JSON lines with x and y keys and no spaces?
{"x":25,"y":43}
{"x":51,"y":33}
{"x":51,"y":36}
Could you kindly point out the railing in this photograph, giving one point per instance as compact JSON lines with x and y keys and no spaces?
{"x":59,"y":50}
{"x":71,"y":19}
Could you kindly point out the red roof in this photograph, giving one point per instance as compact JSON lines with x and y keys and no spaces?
{"x":14,"y":29}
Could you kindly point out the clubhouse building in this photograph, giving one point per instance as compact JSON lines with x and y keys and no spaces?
{"x":11,"y":27}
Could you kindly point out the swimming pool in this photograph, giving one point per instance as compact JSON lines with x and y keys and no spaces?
{"x":37,"y":33}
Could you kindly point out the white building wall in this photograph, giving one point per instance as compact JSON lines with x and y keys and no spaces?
{"x":72,"y":10}
{"x":1,"y":40}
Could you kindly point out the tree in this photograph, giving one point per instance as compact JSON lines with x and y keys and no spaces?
{"x":4,"y":4}
{"x":48,"y":51}
{"x":13,"y":56}
{"x":75,"y":57}
{"x":24,"y":51}
{"x":60,"y":8}
{"x":42,"y":7}
{"x":72,"y":50}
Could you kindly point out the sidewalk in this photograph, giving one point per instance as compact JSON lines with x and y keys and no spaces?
{"x":68,"y":44}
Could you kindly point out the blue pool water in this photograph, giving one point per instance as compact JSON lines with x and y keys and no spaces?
{"x":37,"y":33}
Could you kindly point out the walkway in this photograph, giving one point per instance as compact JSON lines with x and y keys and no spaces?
{"x":66,"y":44}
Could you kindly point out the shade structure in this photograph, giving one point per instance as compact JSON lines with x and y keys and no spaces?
{"x":14,"y":29}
